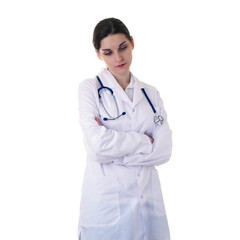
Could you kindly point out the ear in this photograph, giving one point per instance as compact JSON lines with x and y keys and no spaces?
{"x":98,"y":54}
{"x":132,"y":42}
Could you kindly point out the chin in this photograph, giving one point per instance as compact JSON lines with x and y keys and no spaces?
{"x":119,"y":71}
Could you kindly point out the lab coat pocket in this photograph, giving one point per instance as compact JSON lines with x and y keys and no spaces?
{"x":158,"y":203}
{"x":99,"y":203}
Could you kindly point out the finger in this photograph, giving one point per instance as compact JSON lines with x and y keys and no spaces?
{"x":151,"y":139}
{"x":98,"y":121}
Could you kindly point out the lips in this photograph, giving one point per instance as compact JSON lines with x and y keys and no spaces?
{"x":121,"y":65}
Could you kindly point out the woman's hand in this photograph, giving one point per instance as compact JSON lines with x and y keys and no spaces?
{"x":151,"y":139}
{"x":98,"y":121}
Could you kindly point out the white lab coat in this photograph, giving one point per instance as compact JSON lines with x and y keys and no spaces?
{"x":121,"y":193}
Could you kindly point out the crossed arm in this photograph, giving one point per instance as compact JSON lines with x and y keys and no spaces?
{"x":125,"y":148}
{"x":100,"y":124}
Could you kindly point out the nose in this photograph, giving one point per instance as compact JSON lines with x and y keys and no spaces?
{"x":118,"y":57}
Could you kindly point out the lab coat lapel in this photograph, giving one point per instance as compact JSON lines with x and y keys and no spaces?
{"x":138,"y":94}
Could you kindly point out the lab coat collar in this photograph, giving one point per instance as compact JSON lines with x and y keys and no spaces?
{"x":108,"y":80}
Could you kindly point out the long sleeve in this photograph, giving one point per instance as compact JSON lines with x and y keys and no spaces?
{"x":106,"y":144}
{"x":162,"y":146}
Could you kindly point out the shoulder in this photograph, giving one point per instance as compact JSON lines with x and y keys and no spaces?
{"x":147,"y":87}
{"x":88,"y":87}
{"x":88,"y":83}
{"x":151,"y":91}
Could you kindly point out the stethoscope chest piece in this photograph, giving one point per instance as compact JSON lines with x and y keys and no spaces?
{"x":158,"y":119}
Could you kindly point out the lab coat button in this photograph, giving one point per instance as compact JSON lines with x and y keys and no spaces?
{"x":138,"y":174}
{"x":133,"y":110}
{"x":141,"y":196}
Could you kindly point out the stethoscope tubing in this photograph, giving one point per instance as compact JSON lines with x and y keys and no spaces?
{"x":158,"y":119}
{"x":149,"y":101}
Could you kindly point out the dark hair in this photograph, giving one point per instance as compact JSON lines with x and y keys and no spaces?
{"x":106,"y":27}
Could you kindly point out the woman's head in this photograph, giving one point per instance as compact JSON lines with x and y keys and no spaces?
{"x":107,"y":27}
{"x":114,"y":45}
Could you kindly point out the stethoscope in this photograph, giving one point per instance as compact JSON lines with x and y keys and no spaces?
{"x":158,"y":119}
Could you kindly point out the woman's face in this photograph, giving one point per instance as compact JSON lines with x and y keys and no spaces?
{"x":116,"y":51}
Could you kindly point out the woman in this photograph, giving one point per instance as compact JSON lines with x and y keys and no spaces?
{"x":126,"y":135}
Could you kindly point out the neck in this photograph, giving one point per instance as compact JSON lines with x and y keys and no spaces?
{"x":123,"y":80}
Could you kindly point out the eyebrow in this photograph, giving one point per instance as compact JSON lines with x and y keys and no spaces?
{"x":107,"y":49}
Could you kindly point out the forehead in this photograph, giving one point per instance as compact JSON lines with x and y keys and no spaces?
{"x":113,"y":41}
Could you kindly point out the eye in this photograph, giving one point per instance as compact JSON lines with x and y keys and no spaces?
{"x":123,"y":48}
{"x":107,"y":53}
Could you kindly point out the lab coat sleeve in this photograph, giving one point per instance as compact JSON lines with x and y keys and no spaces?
{"x":162,"y":145}
{"x":106,"y":144}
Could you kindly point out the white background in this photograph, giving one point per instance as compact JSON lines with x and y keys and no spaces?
{"x":189,"y":50}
